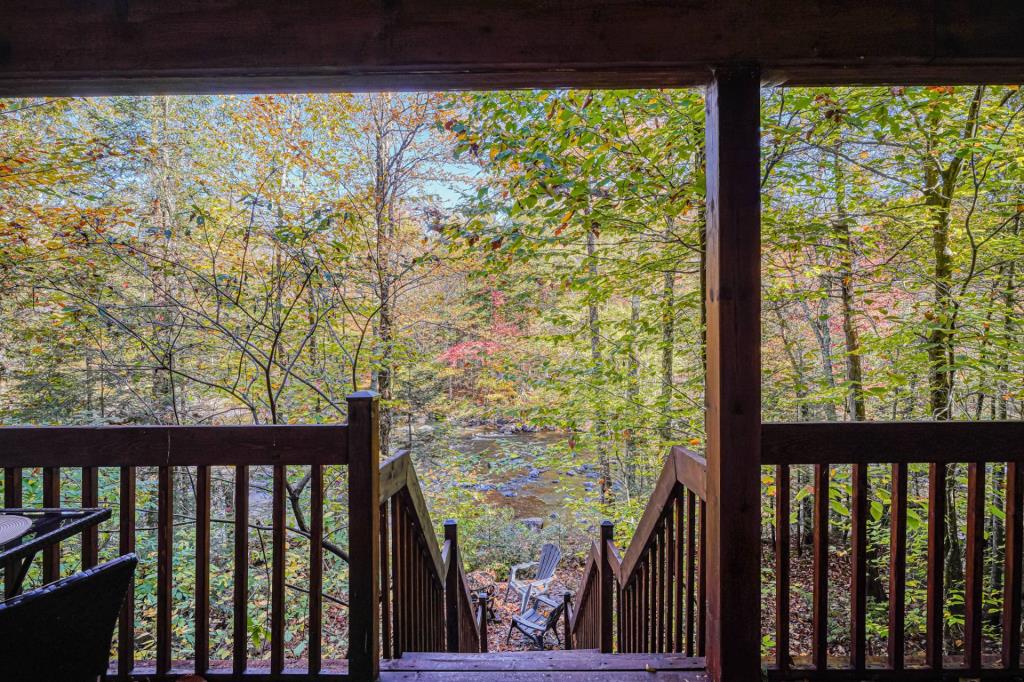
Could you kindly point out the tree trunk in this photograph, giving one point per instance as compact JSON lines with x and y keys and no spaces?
{"x":668,"y":333}
{"x":594,"y":327}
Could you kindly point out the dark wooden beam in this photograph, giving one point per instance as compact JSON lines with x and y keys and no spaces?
{"x":51,"y":47}
{"x":85,"y":446}
{"x":733,"y":393}
{"x":892,"y":442}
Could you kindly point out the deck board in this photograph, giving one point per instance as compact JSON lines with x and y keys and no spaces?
{"x":544,"y":665}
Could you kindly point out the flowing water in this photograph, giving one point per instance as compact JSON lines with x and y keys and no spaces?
{"x":517,"y":469}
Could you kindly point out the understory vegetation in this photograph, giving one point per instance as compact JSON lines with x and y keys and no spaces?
{"x":525,"y":261}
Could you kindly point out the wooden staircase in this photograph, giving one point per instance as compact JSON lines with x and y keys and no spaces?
{"x":572,"y":666}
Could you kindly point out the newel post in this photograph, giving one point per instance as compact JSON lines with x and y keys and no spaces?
{"x":733,"y":382}
{"x":607,"y":587}
{"x":364,"y":535}
{"x":451,"y":586}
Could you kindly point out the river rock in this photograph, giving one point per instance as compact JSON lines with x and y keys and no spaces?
{"x":532,"y":522}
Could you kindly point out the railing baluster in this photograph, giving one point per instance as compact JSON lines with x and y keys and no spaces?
{"x":385,"y":588}
{"x":397,"y":560}
{"x":660,"y":608}
{"x":679,"y":582}
{"x":975,"y":561}
{"x":936,"y":556}
{"x":644,"y":611}
{"x":702,"y":581}
{"x":165,"y":557}
{"x":691,"y":569}
{"x":605,"y":587}
{"x":782,"y":566}
{"x":819,"y":642}
{"x":672,"y":577}
{"x":452,"y":593}
{"x":634,"y":617}
{"x":202,"y":624}
{"x":12,"y":500}
{"x":1012,"y":571}
{"x":51,"y":500}
{"x":651,"y":599}
{"x":240,"y":644}
{"x":898,"y":567}
{"x":90,"y":498}
{"x":316,"y":567}
{"x":858,"y":576}
{"x":277,"y":570}
{"x":126,"y":545}
{"x":407,"y":570}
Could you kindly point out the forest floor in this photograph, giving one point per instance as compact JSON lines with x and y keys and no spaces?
{"x":566,"y":578}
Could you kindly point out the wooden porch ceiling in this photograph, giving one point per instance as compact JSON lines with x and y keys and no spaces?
{"x":60,"y":47}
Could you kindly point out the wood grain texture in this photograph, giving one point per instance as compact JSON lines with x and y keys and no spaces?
{"x":13,"y":495}
{"x":90,"y":498}
{"x":83,"y":446}
{"x":202,"y":615}
{"x":126,"y":545}
{"x":782,"y":495}
{"x":240,"y":609}
{"x":164,"y":567}
{"x":975,"y":564}
{"x":316,"y":568}
{"x":934,"y":612}
{"x":898,"y":567}
{"x":51,"y":499}
{"x":59,"y":47}
{"x":733,"y":386}
{"x":859,"y":565}
{"x":363,"y":536}
{"x":891,"y":442}
{"x":819,"y":608}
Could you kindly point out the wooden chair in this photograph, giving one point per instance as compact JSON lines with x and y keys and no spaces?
{"x":63,"y":631}
{"x":533,"y":624}
{"x":550,"y":555}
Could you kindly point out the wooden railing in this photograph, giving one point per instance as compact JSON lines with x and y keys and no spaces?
{"x":171,"y":449}
{"x":899,"y":445}
{"x":426,"y":605}
{"x":652,"y":598}
{"x":412,"y":572}
{"x":397,"y":599}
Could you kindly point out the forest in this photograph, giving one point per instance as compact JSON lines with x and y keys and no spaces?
{"x":525,"y":262}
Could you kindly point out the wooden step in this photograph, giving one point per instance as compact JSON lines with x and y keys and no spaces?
{"x":578,"y":665}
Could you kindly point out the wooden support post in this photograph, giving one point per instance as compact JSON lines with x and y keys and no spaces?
{"x":451,"y":586}
{"x":607,"y":588}
{"x":363,"y":536}
{"x":733,"y":387}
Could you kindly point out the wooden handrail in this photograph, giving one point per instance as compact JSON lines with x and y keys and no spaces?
{"x":932,"y":442}
{"x":112,"y":446}
{"x":397,"y":474}
{"x":394,"y":475}
{"x":681,"y":468}
{"x":655,"y":580}
{"x":691,"y":471}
